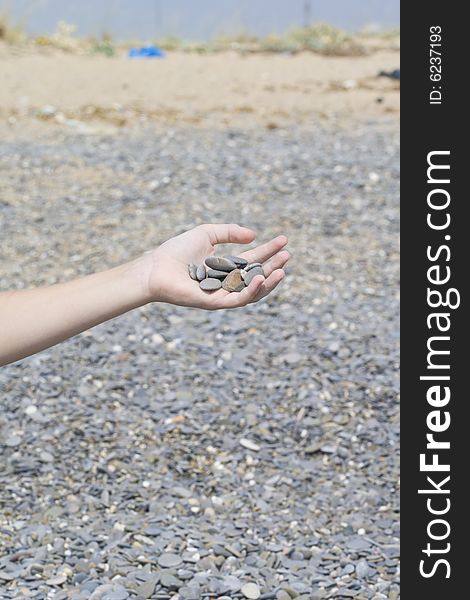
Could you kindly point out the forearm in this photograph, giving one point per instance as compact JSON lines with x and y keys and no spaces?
{"x":31,"y":320}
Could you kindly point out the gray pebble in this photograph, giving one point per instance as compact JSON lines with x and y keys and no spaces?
{"x":217,"y":274}
{"x":362,"y":569}
{"x":221,"y":264}
{"x":170,"y":581}
{"x":210,"y":284}
{"x":13,"y":440}
{"x":252,"y":266}
{"x":251,"y":591}
{"x":168,"y":560}
{"x":192,"y":270}
{"x":190,"y":592}
{"x":238,"y":260}
{"x":146,"y":589}
{"x":201,"y":273}
{"x":232,"y":583}
{"x":250,"y":275}
{"x":59,"y":580}
{"x":116,"y":595}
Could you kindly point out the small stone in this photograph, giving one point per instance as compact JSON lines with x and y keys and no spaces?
{"x":210,"y":284}
{"x":217,"y":274}
{"x":46,"y":456}
{"x":251,"y":274}
{"x":59,"y":580}
{"x":146,"y":589}
{"x":345,"y":593}
{"x":119,"y":594}
{"x":249,"y":445}
{"x":252,"y":266}
{"x":168,"y":560}
{"x":312,"y":448}
{"x":153,"y":530}
{"x":181,"y":492}
{"x":232,"y":583}
{"x":362,"y":569}
{"x":220,"y":551}
{"x":13,"y":440}
{"x":292,"y":358}
{"x":357,"y":544}
{"x":170,"y":581}
{"x":238,"y":260}
{"x":192,"y":269}
{"x":48,"y":110}
{"x":234,"y":282}
{"x":233,"y":550}
{"x":201,"y":272}
{"x":251,"y":591}
{"x":190,"y":592}
{"x":290,"y":590}
{"x":220,"y":264}
{"x":191,"y":557}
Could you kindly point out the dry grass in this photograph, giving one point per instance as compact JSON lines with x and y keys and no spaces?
{"x":11,"y":34}
{"x":320,"y":38}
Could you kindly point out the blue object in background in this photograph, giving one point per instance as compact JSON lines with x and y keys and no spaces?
{"x":395,"y":74}
{"x":146,"y":52}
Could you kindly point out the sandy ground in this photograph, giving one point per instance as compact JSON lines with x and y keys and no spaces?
{"x":221,"y":89}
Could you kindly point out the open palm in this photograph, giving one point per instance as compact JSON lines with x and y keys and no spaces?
{"x":169,"y":281}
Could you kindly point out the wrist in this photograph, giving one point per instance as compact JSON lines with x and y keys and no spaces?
{"x":140,"y":270}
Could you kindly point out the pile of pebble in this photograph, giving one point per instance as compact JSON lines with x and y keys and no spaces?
{"x":232,"y":273}
{"x":259,"y":449}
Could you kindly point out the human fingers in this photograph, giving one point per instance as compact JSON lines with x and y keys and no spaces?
{"x":265,"y":251}
{"x":237,"y":299}
{"x":269,"y":284}
{"x":276,"y":262}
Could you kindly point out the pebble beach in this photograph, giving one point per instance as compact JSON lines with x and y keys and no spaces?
{"x":178,"y":454}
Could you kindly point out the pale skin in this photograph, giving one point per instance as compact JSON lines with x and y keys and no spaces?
{"x":34,"y":319}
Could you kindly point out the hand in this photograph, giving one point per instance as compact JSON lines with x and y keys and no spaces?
{"x":166,"y":268}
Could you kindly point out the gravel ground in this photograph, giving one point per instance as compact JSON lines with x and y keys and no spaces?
{"x":176,"y":453}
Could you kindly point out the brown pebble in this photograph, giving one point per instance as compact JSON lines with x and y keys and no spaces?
{"x":234,"y":282}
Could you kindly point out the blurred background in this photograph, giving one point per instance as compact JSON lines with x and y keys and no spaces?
{"x":178,"y":454}
{"x":200,"y":20}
